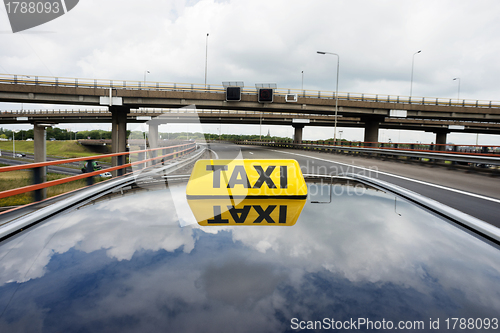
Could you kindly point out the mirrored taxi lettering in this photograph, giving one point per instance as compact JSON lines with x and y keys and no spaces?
{"x":239,"y":216}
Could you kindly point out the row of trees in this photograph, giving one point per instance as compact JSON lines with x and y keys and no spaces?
{"x":56,"y":133}
{"x":64,"y":134}
{"x":205,"y":136}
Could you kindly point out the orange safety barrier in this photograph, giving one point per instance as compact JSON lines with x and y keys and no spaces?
{"x":78,"y":159}
{"x":40,"y":186}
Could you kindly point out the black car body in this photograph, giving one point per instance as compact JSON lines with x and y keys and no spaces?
{"x":132,"y":259}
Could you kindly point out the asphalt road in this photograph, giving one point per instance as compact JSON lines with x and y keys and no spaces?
{"x":22,"y":160}
{"x":475,"y":195}
{"x":63,"y":169}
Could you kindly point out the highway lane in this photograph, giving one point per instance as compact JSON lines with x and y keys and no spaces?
{"x":63,"y":168}
{"x":481,"y":206}
{"x":31,"y":157}
{"x":53,"y":168}
{"x":478,"y":196}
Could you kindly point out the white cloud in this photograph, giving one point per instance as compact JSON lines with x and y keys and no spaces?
{"x":411,"y":251}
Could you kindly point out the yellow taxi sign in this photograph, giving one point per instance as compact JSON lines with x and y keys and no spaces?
{"x":246,"y":192}
{"x":247,"y":178}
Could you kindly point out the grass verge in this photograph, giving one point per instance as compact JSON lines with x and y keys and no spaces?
{"x":16,"y":179}
{"x":64,"y":149}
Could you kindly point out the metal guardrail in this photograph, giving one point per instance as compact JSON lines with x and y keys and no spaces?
{"x":159,"y":111}
{"x":38,"y":168}
{"x":474,"y":159}
{"x":479,"y":150}
{"x":17,"y":221}
{"x":158,"y":86}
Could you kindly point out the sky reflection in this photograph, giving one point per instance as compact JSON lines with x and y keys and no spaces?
{"x":129,"y":264}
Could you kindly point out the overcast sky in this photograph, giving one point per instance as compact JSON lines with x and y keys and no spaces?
{"x":274,"y":41}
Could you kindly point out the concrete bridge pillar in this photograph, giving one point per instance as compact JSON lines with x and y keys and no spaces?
{"x":40,"y":142}
{"x":297,"y":137}
{"x":118,"y":134}
{"x":153,"y":141}
{"x":441,"y":140}
{"x":153,"y":135}
{"x":371,"y":130}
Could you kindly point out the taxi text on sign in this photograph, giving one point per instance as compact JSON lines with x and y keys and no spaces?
{"x":246,"y":192}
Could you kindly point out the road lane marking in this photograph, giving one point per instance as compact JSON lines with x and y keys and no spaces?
{"x":213,"y":151}
{"x":400,"y":177}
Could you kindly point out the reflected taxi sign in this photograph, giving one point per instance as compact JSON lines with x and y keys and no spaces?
{"x":246,"y":192}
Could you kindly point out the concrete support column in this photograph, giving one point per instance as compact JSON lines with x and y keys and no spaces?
{"x":153,"y":135}
{"x":297,"y":138}
{"x":371,"y":130}
{"x":118,"y":134}
{"x":441,"y":140}
{"x":40,"y":143}
{"x":153,"y":141}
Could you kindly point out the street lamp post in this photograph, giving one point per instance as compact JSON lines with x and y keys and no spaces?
{"x":336,"y":94}
{"x":22,"y":104}
{"x":13,"y":145}
{"x":302,"y":86}
{"x":206,"y":60}
{"x":260,"y":127}
{"x":145,"y":72}
{"x":412,"y":63}
{"x":458,"y":96}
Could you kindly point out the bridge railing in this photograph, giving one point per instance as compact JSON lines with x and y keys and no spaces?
{"x":159,"y":111}
{"x":144,"y":156}
{"x":472,"y":150}
{"x":210,"y":88}
{"x":432,"y":154}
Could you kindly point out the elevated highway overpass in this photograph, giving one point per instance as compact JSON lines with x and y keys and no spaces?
{"x":240,"y":116}
{"x":134,"y":95}
{"x":123,"y":99}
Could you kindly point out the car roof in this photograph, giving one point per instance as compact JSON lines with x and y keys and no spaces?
{"x":136,"y":260}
